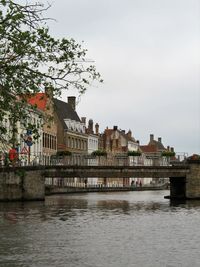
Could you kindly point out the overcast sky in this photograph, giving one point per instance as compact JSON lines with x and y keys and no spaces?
{"x":148,"y":53}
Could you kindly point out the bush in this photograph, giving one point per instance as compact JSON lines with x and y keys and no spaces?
{"x":194,"y":157}
{"x":64,"y":153}
{"x":98,"y":153}
{"x":168,"y":154}
{"x":134,"y":153}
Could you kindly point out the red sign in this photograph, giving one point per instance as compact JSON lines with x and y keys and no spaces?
{"x":24,"y":150}
{"x":12,"y":154}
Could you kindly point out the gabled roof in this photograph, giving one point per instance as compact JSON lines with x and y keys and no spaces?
{"x":127,"y":137}
{"x":65,"y":111}
{"x":39,"y":100}
{"x":149,"y":149}
{"x":159,"y":145}
{"x":122,"y":133}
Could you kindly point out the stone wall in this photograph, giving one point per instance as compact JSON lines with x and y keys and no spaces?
{"x":21,"y":185}
{"x":10,"y":186}
{"x":34,"y":186}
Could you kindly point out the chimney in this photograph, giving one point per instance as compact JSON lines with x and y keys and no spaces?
{"x":123,"y":131}
{"x":83,"y":120}
{"x":129,"y":134}
{"x":115,"y":128}
{"x":97,"y":128}
{"x":151,"y":137}
{"x":168,"y":148}
{"x":172,"y":149}
{"x":72,"y":102}
{"x":159,"y":139}
{"x":49,"y":92}
{"x":90,"y":126}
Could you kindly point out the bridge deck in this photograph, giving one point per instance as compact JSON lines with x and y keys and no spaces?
{"x":116,"y":171}
{"x":67,"y":171}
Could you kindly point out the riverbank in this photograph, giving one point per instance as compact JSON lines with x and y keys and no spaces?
{"x":51,"y":190}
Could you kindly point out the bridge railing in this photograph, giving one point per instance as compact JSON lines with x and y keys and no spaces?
{"x":88,"y":160}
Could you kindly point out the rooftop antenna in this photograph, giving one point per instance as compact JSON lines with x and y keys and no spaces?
{"x":87,"y":60}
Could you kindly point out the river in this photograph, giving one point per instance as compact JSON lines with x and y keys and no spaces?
{"x":100,"y":230}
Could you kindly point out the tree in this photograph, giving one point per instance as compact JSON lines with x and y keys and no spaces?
{"x":31,"y":59}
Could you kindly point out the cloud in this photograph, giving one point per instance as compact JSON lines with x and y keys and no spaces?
{"x":148,"y":54}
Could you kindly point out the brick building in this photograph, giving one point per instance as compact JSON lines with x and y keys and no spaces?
{"x":117,"y":143}
{"x":71,"y":133}
{"x":44,"y":103}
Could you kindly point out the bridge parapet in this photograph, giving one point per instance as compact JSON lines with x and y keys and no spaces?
{"x":116,"y":171}
{"x":89,"y":160}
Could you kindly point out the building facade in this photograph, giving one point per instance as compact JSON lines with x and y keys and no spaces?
{"x":71,"y":133}
{"x":93,"y":145}
{"x":153,"y":156}
{"x":44,"y":103}
{"x":117,"y":143}
{"x":22,"y":139}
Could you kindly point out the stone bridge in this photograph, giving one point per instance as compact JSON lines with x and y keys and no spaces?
{"x":28,"y":183}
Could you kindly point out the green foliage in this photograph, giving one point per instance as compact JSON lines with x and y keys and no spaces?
{"x":99,"y":153}
{"x":21,"y":173}
{"x":31,"y":59}
{"x":168,"y":154}
{"x":194,"y":157}
{"x":134,"y":153}
{"x":64,"y":153}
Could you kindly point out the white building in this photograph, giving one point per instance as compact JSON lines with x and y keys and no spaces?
{"x":93,"y":145}
{"x":29,"y":149}
{"x":26,"y":139}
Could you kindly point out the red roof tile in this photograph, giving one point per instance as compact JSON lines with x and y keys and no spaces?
{"x":39,"y":100}
{"x":149,"y":149}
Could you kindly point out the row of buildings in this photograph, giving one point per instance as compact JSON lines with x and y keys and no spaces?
{"x":61,"y":129}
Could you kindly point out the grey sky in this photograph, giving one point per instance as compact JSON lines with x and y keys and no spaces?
{"x":147,"y":52}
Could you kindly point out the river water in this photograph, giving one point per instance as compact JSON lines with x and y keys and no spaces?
{"x":101,"y":230}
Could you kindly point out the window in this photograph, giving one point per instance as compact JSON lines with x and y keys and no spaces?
{"x":72,"y":142}
{"x":43,"y":139}
{"x":79,"y":144}
{"x":69,"y":142}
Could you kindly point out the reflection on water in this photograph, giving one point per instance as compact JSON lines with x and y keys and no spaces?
{"x":100,"y":229}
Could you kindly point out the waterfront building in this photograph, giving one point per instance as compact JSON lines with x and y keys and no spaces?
{"x":153,"y":154}
{"x":71,"y":133}
{"x":117,"y":143}
{"x":93,"y":145}
{"x":153,"y":150}
{"x":20,"y":137}
{"x":44,"y":103}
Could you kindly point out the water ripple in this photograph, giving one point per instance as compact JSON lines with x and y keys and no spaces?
{"x":100,"y":230}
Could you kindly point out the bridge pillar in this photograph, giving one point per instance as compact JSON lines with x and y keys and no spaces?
{"x":10,"y":188}
{"x":193,"y":180}
{"x":33,"y":186}
{"x":177,"y":187}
